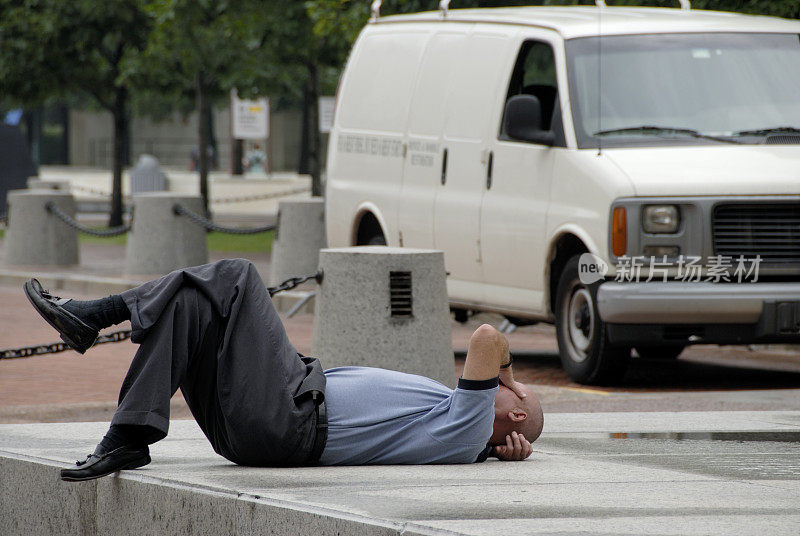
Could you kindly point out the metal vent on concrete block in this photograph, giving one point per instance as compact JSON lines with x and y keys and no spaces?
{"x":400,"y":300}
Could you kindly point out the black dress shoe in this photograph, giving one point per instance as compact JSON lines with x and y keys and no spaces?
{"x":74,"y":331}
{"x":101,"y":463}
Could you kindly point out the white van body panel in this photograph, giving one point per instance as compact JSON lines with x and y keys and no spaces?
{"x":369,"y":134}
{"x":417,"y":85}
{"x":711,"y":170}
{"x":585,"y":184}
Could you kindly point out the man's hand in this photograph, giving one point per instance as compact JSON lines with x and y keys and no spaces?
{"x":517,"y":448}
{"x":507,"y":379}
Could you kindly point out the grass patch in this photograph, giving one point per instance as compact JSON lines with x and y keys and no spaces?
{"x":119,"y":240}
{"x":251,"y":243}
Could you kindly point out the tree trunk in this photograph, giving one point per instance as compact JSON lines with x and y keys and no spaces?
{"x":33,"y":121}
{"x":212,"y":141}
{"x":120,"y":114}
{"x":315,"y":158}
{"x":63,"y":116}
{"x":237,"y":153}
{"x":303,"y":166}
{"x":203,"y":113}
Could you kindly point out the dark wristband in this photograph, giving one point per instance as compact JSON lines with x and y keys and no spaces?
{"x":510,"y":361}
{"x":478,"y":385}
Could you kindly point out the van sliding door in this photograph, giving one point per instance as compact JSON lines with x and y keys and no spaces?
{"x":424,"y":164}
{"x":473,"y":82}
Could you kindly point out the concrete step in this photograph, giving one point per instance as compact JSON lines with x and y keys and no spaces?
{"x":590,"y":473}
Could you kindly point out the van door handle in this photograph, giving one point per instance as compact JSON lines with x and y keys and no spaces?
{"x":444,"y":167}
{"x":489,"y":171}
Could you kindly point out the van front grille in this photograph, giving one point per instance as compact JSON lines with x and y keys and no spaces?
{"x":771,"y":230}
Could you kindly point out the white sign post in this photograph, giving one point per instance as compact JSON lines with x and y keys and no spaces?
{"x":326,"y":108}
{"x":250,"y":118}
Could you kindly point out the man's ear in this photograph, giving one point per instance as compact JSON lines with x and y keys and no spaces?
{"x":517,"y":415}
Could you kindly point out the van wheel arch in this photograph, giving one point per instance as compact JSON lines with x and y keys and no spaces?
{"x":565,"y":247}
{"x":368,"y":231}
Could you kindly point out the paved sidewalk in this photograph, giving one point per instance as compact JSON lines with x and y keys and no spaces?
{"x":621,"y":473}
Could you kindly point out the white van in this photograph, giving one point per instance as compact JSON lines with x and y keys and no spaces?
{"x":518,"y":139}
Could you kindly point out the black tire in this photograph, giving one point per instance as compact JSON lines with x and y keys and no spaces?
{"x":376,"y":240}
{"x":659,"y":352}
{"x":586,"y":354}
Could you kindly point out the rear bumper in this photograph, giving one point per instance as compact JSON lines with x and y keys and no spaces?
{"x":691,"y":303}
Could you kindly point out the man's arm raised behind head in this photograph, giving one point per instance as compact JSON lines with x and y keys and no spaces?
{"x":488,"y":349}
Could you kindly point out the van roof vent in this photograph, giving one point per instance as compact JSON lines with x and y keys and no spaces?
{"x":375,"y":9}
{"x":685,"y":4}
{"x":783,"y":139}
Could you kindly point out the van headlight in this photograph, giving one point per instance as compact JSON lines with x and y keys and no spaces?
{"x":661,"y":219}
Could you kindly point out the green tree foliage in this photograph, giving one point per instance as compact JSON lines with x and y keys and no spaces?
{"x":53,"y":48}
{"x":198,"y":51}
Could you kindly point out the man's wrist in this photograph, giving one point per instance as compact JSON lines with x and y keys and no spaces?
{"x":510,"y":362}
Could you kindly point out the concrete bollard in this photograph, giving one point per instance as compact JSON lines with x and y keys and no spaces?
{"x":384,"y":307}
{"x":160,"y":240}
{"x":299,"y":236}
{"x":36,"y":236}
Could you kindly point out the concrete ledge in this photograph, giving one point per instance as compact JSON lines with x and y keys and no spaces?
{"x":137,"y":505}
{"x":583,"y":478}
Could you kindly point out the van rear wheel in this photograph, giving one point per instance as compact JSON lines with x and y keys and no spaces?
{"x":586,"y":353}
{"x":376,"y":240}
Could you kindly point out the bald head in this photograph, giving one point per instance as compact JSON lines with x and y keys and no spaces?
{"x":515,"y":414}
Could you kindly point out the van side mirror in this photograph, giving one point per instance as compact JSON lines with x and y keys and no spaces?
{"x":523,"y":121}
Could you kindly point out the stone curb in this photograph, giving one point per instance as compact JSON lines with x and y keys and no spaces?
{"x":114,"y":506}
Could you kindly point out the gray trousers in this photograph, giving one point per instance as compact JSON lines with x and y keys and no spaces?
{"x":213,"y":332}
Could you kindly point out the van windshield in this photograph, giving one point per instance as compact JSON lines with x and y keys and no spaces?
{"x":656,"y":89}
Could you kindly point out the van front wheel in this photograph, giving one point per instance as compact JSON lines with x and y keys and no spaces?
{"x":586,"y":354}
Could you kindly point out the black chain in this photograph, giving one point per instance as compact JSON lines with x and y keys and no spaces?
{"x":293,"y":282}
{"x":217,"y":200}
{"x":57,"y":347}
{"x":258,"y":197}
{"x":94,"y":191}
{"x":104,"y":233}
{"x":124,"y":334}
{"x":209,"y":225}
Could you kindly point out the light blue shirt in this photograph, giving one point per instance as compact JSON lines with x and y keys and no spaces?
{"x":378,"y":416}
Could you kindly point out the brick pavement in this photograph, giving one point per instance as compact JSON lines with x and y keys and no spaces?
{"x":69,"y":378}
{"x":70,"y":387}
